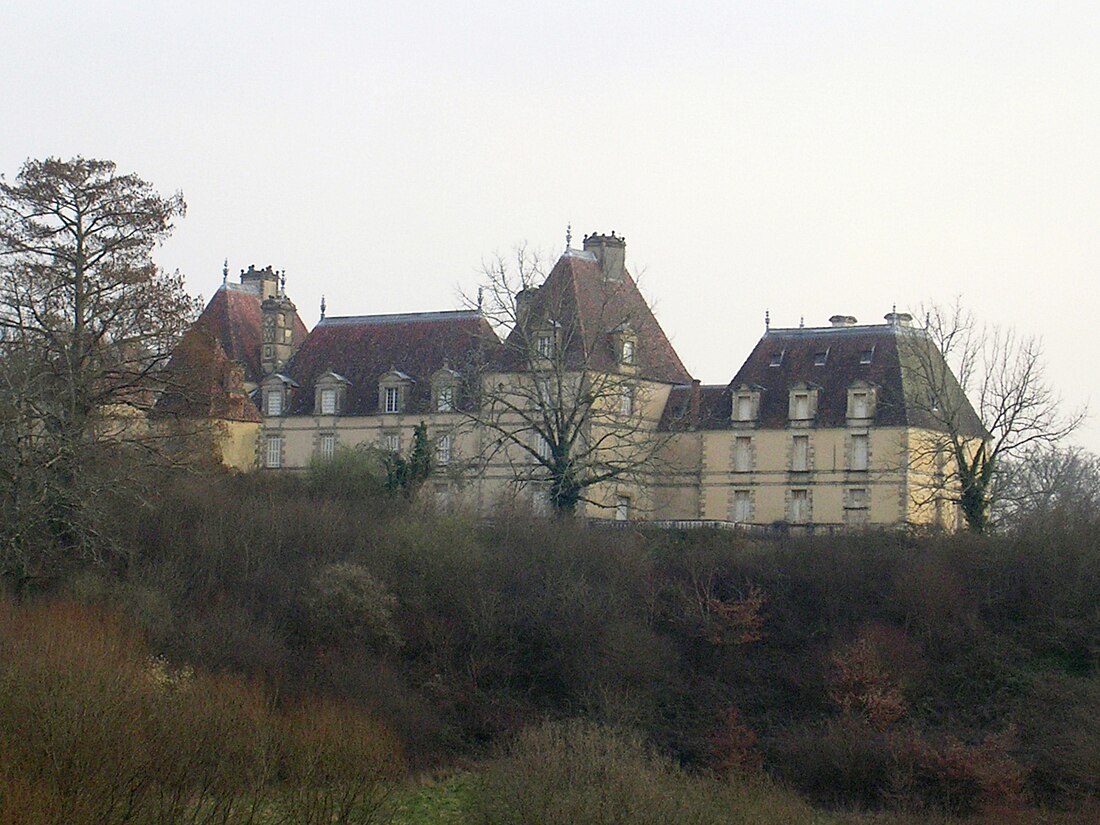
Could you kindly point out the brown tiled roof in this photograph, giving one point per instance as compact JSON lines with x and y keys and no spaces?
{"x":588,"y":307}
{"x":843,"y":350}
{"x":363,"y":348}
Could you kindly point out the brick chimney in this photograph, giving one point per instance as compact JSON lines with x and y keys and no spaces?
{"x":610,"y":251}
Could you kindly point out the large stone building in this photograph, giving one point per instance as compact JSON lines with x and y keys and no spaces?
{"x":818,"y":429}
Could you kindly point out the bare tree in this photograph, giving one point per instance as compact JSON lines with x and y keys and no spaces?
{"x":1049,"y":485}
{"x":87,"y":321}
{"x":952,"y":360}
{"x":568,"y":397}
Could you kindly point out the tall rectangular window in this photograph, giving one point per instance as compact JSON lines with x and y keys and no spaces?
{"x":393,"y":399}
{"x":800,"y":453}
{"x":859,"y":404}
{"x":626,"y":404}
{"x":744,"y":408}
{"x":622,"y":508}
{"x":443,"y":450}
{"x":858,"y":512}
{"x":800,"y":506}
{"x":275,"y":402}
{"x":542,"y":446}
{"x":445,"y":400}
{"x":544,"y":346}
{"x":328,"y":402}
{"x":628,"y":351}
{"x":328,"y":446}
{"x":393,"y":442}
{"x":860,"y":452}
{"x":742,"y":454}
{"x":742,"y":506}
{"x":801,"y":406}
{"x":274,"y":455}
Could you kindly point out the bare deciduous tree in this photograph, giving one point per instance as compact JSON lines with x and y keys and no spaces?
{"x":954,"y":360}
{"x":1049,"y":485}
{"x":87,"y":321}
{"x":566,"y":397}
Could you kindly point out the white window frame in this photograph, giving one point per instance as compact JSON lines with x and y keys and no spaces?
{"x":273,"y":403}
{"x":273,"y":458}
{"x":392,"y":397}
{"x":628,"y":353}
{"x":744,"y":406}
{"x":626,"y":401}
{"x":800,"y":506}
{"x":742,"y":506}
{"x":392,"y":442}
{"x":443,"y":450}
{"x":544,"y":345}
{"x":445,"y":398}
{"x":327,"y":446}
{"x":622,"y":508}
{"x":328,"y":401}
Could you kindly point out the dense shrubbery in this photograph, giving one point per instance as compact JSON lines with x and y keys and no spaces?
{"x":95,"y":730}
{"x":955,"y":674}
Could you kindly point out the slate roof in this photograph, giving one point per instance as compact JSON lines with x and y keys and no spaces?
{"x":589,"y":308}
{"x":364,"y":348}
{"x":799,"y":353}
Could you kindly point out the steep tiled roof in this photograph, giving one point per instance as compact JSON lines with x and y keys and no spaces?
{"x":363,"y":348}
{"x":202,"y":381}
{"x":832,"y":359}
{"x":588,"y":308}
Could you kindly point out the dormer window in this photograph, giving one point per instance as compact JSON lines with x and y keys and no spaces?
{"x":777,"y":358}
{"x":393,"y":391}
{"x":861,"y":401}
{"x":746,"y":404}
{"x":867,"y":356}
{"x":330,"y":393}
{"x":276,"y":394}
{"x":445,"y":390}
{"x":803,"y":402}
{"x":821,"y":357}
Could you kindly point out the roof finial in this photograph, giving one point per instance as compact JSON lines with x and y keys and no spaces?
{"x":282,"y":283}
{"x":767,"y":320}
{"x":323,"y":307}
{"x":568,"y":236}
{"x":480,"y":297}
{"x":801,"y":321}
{"x":225,"y":272}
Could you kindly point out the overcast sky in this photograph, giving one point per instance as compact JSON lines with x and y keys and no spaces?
{"x":807,"y":158}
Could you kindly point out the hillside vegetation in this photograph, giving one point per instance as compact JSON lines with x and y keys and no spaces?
{"x":258,"y":649}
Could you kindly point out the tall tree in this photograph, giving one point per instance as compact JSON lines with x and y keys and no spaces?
{"x":87,"y":320}
{"x":954,"y":360}
{"x":568,"y":398}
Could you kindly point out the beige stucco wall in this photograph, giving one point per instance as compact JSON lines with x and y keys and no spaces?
{"x":237,"y":442}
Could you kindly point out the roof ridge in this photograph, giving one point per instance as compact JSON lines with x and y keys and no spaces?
{"x":399,"y":317}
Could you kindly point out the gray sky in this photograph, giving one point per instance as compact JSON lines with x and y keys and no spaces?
{"x":808,"y":158}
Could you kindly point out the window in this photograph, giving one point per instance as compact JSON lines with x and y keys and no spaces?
{"x":860,"y":453}
{"x":800,"y":405}
{"x":857,"y":512}
{"x":544,"y":345}
{"x":867,"y":356}
{"x":742,"y":505}
{"x":800,"y":453}
{"x":745,"y":406}
{"x":542,"y":447}
{"x":393,"y":442}
{"x":622,"y":508}
{"x":328,"y":402}
{"x":445,"y":399}
{"x":274,"y":454}
{"x":626,"y":403}
{"x":628,"y":351}
{"x":742,"y":454}
{"x":777,"y":358}
{"x":545,"y":393}
{"x":328,"y":446}
{"x":859,"y":404}
{"x":393,"y":399}
{"x":443,"y":450}
{"x":820,"y":358}
{"x":275,"y":402}
{"x":800,"y":506}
